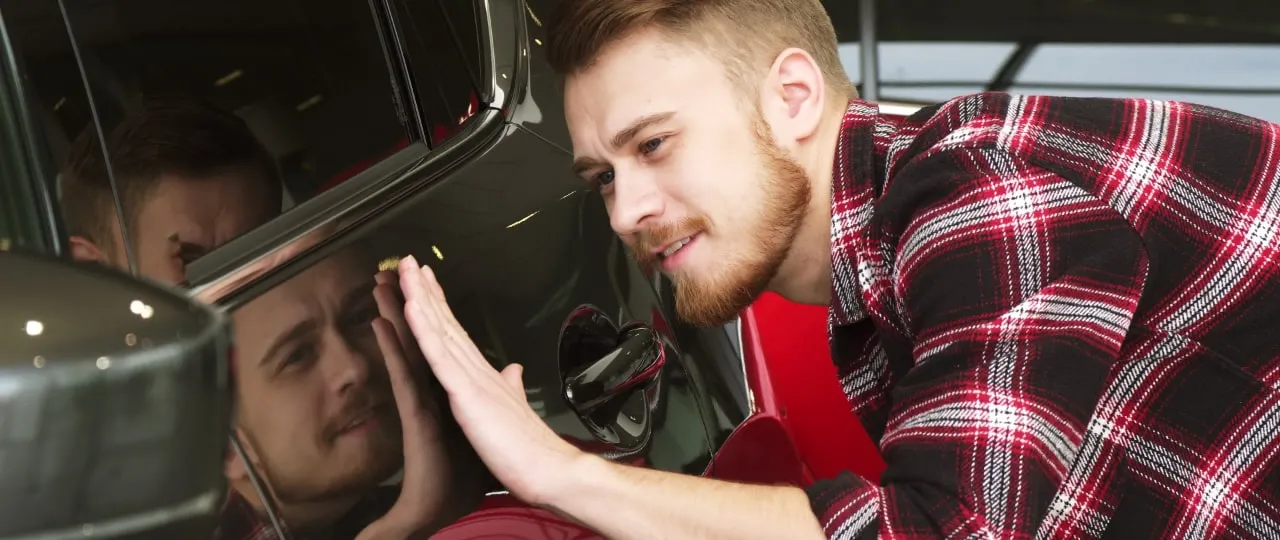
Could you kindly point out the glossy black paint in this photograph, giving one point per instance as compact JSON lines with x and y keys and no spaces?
{"x":516,"y":240}
{"x":107,"y":382}
{"x":609,"y":377}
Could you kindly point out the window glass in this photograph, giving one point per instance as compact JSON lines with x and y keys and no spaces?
{"x":57,"y":104}
{"x":927,"y":72}
{"x":1195,"y":52}
{"x":1242,"y":78}
{"x":218,"y":116}
{"x":442,"y":45}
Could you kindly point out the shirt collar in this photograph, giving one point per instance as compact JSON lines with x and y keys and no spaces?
{"x":856,"y":179}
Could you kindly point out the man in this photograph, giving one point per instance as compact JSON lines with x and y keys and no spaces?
{"x":1056,"y":316}
{"x":317,"y":416}
{"x":190,"y":178}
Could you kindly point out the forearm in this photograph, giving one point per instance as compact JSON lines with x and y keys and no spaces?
{"x":623,"y":502}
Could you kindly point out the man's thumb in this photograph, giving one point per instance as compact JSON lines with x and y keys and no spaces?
{"x":514,"y":376}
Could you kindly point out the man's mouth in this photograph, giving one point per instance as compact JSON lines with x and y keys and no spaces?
{"x":675,"y":247}
{"x":366,"y":418}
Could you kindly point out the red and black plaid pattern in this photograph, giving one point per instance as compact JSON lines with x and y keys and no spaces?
{"x":240,"y":521}
{"x":1060,"y":318}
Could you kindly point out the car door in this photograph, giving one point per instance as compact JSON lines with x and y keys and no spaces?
{"x":392,"y":128}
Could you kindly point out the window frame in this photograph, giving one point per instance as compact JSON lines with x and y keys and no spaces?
{"x":870,"y":25}
{"x":29,"y":218}
{"x":253,"y":263}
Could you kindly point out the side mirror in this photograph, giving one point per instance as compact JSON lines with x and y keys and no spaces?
{"x":114,"y":405}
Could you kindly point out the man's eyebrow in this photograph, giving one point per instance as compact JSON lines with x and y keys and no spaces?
{"x":298,"y":330}
{"x":583,"y":164}
{"x":621,"y":138}
{"x":624,"y":135}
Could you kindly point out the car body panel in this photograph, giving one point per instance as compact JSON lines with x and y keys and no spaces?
{"x":520,"y":245}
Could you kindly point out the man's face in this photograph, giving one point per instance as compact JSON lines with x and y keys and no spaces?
{"x":314,"y":397}
{"x":693,"y":180}
{"x":181,"y":219}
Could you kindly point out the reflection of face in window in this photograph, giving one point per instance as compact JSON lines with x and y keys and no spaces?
{"x":314,"y":402}
{"x":190,"y":178}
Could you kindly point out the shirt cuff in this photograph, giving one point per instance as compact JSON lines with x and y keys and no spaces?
{"x":847,"y":506}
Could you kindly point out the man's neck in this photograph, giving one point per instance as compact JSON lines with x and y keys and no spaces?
{"x":302,"y":517}
{"x":805,"y":275}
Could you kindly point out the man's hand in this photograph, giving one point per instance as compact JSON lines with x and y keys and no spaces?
{"x":490,"y":407}
{"x":425,"y":487}
{"x":540,"y":468}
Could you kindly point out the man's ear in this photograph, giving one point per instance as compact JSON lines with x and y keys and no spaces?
{"x":795,"y":94}
{"x":84,"y":250}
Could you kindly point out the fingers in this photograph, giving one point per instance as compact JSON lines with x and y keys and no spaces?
{"x":403,"y":387}
{"x":453,"y":357}
{"x":391,"y":308}
{"x":426,"y":288}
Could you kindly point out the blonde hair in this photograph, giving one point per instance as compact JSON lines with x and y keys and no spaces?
{"x":745,"y":35}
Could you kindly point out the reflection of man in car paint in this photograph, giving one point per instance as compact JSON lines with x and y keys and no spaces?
{"x":316,"y":413}
{"x":190,"y":178}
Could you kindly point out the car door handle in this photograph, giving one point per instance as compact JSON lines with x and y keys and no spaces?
{"x":636,"y":361}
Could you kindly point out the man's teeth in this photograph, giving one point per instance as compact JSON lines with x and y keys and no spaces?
{"x":673,"y":248}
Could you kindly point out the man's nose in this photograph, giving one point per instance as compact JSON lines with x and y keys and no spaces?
{"x":347,"y":367}
{"x":636,"y":201}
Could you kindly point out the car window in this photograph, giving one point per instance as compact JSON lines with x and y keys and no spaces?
{"x":217,"y":117}
{"x":1202,"y":53}
{"x":441,"y":41}
{"x":56,"y":106}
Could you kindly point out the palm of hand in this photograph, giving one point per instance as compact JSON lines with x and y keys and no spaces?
{"x":490,"y":406}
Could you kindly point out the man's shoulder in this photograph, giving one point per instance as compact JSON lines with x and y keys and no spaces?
{"x":1014,"y":122}
{"x":1074,"y":137}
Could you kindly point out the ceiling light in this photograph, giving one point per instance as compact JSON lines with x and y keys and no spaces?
{"x":310,"y":102}
{"x":226,"y":79}
{"x":436,"y":250}
{"x":523,"y":219}
{"x":35,"y":328}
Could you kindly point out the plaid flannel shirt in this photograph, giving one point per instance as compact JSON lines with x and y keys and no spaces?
{"x":1059,"y":318}
{"x":240,"y":521}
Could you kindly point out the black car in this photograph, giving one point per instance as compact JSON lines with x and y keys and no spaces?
{"x":252,"y":169}
{"x":381,"y":129}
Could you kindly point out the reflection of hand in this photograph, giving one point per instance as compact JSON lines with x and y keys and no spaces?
{"x":426,"y":464}
{"x":490,"y":407}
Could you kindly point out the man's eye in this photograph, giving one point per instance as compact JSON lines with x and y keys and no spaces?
{"x":297,"y":356}
{"x":650,"y":146}
{"x":604,"y":178}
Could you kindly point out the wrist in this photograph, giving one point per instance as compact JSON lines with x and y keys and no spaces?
{"x":572,"y":482}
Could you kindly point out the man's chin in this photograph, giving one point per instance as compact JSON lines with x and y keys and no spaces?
{"x":708,"y":305}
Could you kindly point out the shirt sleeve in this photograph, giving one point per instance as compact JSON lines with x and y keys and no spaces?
{"x":1012,"y":291}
